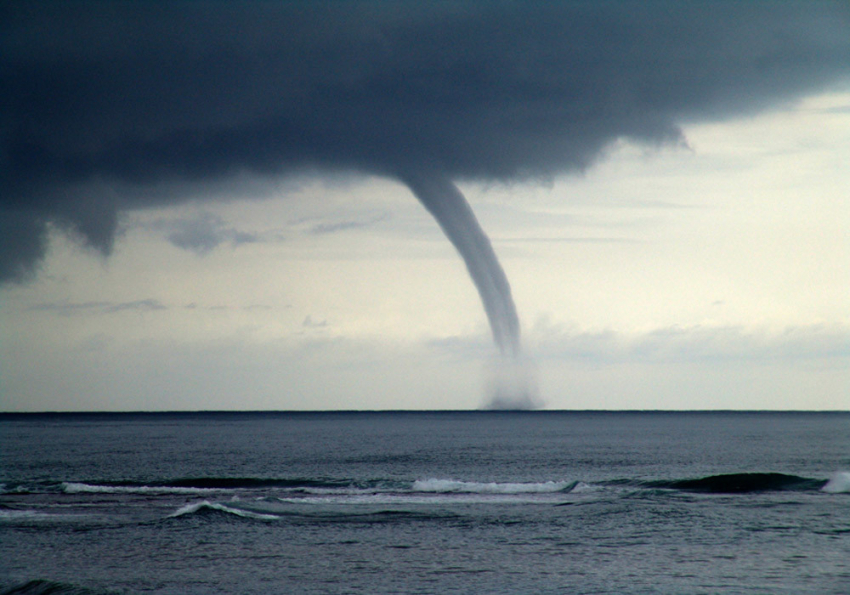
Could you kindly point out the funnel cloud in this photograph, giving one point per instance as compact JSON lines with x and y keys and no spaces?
{"x":510,"y":386}
{"x":449,"y":207}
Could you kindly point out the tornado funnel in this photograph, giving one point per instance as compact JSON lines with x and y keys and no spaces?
{"x":451,"y":210}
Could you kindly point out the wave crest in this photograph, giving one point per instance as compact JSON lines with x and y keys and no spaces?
{"x":86,"y":488}
{"x":204,"y":485}
{"x":206,"y":506}
{"x":471,"y":487}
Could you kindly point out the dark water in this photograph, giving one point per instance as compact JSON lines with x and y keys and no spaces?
{"x":473,"y":502}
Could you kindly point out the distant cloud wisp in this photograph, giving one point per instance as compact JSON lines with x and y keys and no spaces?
{"x":336,"y":226}
{"x":201,"y":234}
{"x":697,"y":344}
{"x":69,"y":308}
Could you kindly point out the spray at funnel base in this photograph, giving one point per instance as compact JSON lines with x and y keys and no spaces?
{"x":511,"y":387}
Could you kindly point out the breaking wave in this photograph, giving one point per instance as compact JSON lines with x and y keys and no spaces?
{"x":199,"y":486}
{"x":839,"y":483}
{"x":469,"y":487}
{"x":85,"y":488}
{"x":371,"y":491}
{"x":206,"y":506}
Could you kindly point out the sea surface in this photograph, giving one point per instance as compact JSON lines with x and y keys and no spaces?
{"x":421,"y":502}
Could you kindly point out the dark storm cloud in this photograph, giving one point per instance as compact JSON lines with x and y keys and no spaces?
{"x":108,"y":105}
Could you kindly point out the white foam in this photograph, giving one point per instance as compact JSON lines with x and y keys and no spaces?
{"x":428,"y":499}
{"x":196,"y":506}
{"x":455,"y":486}
{"x":839,"y":483}
{"x":335,"y":491}
{"x":85,"y":488}
{"x":16,"y":515}
{"x":348,"y":499}
{"x":585,"y":488}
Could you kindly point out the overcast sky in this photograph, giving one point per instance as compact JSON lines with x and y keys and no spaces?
{"x":202,"y":204}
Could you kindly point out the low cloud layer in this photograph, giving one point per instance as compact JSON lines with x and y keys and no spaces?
{"x":95,"y":308}
{"x":110,"y":106}
{"x":698,"y":344}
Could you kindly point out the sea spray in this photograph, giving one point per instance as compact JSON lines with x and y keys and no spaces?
{"x":512,"y":385}
{"x":206,"y":505}
{"x":839,"y":483}
{"x":448,"y":486}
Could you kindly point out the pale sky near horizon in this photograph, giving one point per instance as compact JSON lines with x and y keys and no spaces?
{"x":699,"y":277}
{"x":667,"y":192}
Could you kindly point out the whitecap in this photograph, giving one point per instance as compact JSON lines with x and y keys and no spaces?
{"x":85,"y":488}
{"x":206,"y":504}
{"x":455,"y":486}
{"x":16,"y":515}
{"x":839,"y":483}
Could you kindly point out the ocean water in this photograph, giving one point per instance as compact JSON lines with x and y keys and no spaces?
{"x":446,"y":502}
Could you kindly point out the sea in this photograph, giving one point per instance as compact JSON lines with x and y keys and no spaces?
{"x":490,"y":502}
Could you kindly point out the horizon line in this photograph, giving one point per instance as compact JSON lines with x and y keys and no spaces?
{"x":367,"y":411}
